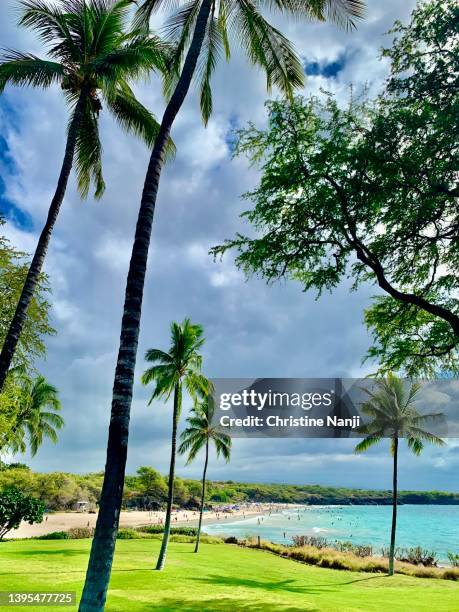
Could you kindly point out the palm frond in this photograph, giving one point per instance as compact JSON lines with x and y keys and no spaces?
{"x":415,"y":445}
{"x":157,"y":355}
{"x":268,"y":48}
{"x":222,"y":20}
{"x":108,"y":20}
{"x":366,"y":443}
{"x":422,"y":434}
{"x":164,"y":378}
{"x":148,"y":7}
{"x":344,"y":12}
{"x":223,"y":445}
{"x":134,"y":117}
{"x":210,"y":54}
{"x":133,"y":60}
{"x":391,"y":406}
{"x":25,"y":69}
{"x":178,"y":30}
{"x":51,"y":25}
{"x":88,"y":153}
{"x":52,"y":419}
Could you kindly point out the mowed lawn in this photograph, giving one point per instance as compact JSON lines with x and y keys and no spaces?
{"x":220,"y":578}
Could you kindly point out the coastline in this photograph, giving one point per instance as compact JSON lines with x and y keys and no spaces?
{"x":63,"y":521}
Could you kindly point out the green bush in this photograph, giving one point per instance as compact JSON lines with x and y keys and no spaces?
{"x":189,"y":531}
{"x":128,"y":534}
{"x":453,"y":558}
{"x":79,"y":533}
{"x":54,"y":535}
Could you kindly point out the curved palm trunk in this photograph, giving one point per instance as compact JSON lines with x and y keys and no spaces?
{"x":394,"y":511}
{"x":33,"y":274}
{"x":203,"y":496}
{"x":170,"y":493}
{"x":103,"y":546}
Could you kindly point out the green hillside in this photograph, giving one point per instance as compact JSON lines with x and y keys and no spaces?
{"x":60,"y":490}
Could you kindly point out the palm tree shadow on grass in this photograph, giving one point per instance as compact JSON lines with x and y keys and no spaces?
{"x":282,"y":585}
{"x":224,"y":605}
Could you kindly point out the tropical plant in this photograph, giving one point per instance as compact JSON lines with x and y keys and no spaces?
{"x":15,"y":507}
{"x":393,"y":414}
{"x":180,"y":366}
{"x":37,"y":415}
{"x":200,"y":432}
{"x":14,"y":265}
{"x":201,"y":29}
{"x":453,"y":558}
{"x":92,"y":57}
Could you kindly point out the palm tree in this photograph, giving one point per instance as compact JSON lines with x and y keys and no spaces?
{"x":202,"y":29}
{"x":181,"y":365}
{"x":200,"y":432}
{"x":92,"y":57}
{"x":37,"y":414}
{"x":393,"y":413}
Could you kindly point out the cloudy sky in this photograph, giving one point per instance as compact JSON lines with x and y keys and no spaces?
{"x":252,"y":330}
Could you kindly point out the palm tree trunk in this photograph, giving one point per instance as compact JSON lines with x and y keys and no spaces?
{"x":203,"y":496}
{"x":394,"y":511}
{"x":103,"y":546}
{"x":33,"y":274}
{"x":170,"y":493}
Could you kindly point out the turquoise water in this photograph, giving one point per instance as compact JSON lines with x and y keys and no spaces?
{"x":432,"y":527}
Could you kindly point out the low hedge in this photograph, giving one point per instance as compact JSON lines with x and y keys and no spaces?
{"x":189,"y":531}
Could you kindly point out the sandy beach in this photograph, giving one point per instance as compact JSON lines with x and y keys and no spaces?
{"x":62,"y":521}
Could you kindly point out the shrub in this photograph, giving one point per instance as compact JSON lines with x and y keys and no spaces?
{"x":304,"y":540}
{"x":128,"y":534}
{"x":78,"y":533}
{"x":207,"y":539}
{"x":451,"y":574}
{"x":360,"y":550}
{"x":231,"y":540}
{"x":190,"y":531}
{"x":348,"y":560}
{"x":415,"y":555}
{"x":54,"y":535}
{"x":453,"y":558}
{"x":418,"y":556}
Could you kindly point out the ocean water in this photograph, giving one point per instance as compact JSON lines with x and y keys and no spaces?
{"x":432,"y":527}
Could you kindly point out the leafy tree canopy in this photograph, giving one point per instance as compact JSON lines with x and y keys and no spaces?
{"x":31,"y":346}
{"x":370,"y":192}
{"x":13,"y":271}
{"x":16,"y":507}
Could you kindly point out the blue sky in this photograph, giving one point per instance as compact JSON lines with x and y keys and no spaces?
{"x":252,"y":330}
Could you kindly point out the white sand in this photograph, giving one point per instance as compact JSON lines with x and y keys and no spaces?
{"x":62,"y":521}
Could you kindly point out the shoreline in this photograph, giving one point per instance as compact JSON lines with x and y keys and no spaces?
{"x":63,"y":521}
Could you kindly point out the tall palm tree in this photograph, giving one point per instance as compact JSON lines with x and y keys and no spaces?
{"x":202,"y":29}
{"x":37,"y":414}
{"x":92,"y":57}
{"x":180,"y":366}
{"x":201,"y":431}
{"x":393,"y":413}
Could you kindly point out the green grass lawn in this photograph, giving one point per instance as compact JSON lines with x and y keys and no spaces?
{"x":219,"y":578}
